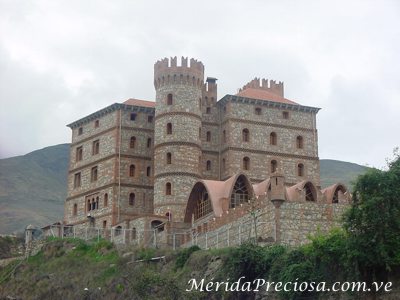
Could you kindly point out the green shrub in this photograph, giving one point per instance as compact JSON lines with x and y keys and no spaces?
{"x":184,"y":255}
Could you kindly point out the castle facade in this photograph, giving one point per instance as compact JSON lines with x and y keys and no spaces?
{"x":188,"y":163}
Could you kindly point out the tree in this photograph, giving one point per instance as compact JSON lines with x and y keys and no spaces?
{"x":373,"y":222}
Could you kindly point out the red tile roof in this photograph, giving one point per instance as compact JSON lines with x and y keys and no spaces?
{"x":263,"y":95}
{"x":137,"y":102}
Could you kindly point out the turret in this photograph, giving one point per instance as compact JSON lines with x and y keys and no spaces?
{"x":177,"y":140}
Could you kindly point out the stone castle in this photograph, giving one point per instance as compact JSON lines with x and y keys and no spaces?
{"x":190,"y":164}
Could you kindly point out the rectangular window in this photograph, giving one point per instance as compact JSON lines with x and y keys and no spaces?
{"x":208,"y":110}
{"x":96,"y":124}
{"x":96,"y":147}
{"x":150,"y":119}
{"x":80,"y":130}
{"x":285,"y":115}
{"x":93,"y":174}
{"x":257,"y":111}
{"x":79,"y":153}
{"x":133,"y":116}
{"x":77,"y":180}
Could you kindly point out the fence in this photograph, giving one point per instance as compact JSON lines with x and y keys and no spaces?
{"x":158,"y":238}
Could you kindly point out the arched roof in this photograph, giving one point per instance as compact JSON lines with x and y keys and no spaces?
{"x":292,"y":192}
{"x":262,"y":187}
{"x":217,"y":190}
{"x":330,"y":191}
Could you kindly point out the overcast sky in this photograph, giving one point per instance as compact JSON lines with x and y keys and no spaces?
{"x":62,"y":60}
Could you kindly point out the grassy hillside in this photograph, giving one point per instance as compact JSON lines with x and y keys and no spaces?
{"x":33,"y":186}
{"x":333,"y":171}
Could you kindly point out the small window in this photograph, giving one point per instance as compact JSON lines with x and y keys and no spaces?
{"x":132,"y":170}
{"x":133,"y":233}
{"x":93,"y":174}
{"x":208,"y":165}
{"x":169,"y":158}
{"x":132,"y":199}
{"x":169,"y":128}
{"x":199,"y":133}
{"x":246,"y":163}
{"x":208,"y":110}
{"x":224,"y":136}
{"x":80,"y":130}
{"x":104,"y":223}
{"x":118,"y":230}
{"x":245,"y":135}
{"x":274,"y":166}
{"x":208,"y":136}
{"x":148,"y":171}
{"x":169,"y":99}
{"x":199,"y":103}
{"x":285,"y":115}
{"x":133,"y":116}
{"x":300,"y":170}
{"x":168,"y":189}
{"x":75,"y":210}
{"x":96,"y":147}
{"x":79,"y":153}
{"x":299,"y":142}
{"x":273,"y":138}
{"x":105,"y":203}
{"x":150,"y":119}
{"x":257,"y":110}
{"x":132,"y":143}
{"x":96,"y":124}
{"x":149,"y":143}
{"x":77,"y":180}
{"x":223,"y":164}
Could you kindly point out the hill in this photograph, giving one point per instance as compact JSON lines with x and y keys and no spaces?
{"x":33,"y":186}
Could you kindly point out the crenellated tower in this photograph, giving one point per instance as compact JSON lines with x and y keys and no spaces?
{"x":177,"y":148}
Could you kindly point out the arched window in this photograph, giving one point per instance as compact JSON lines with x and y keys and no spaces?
{"x":133,"y":233}
{"x":208,"y":136}
{"x":240,"y":193}
{"x":156,"y":224}
{"x":132,"y":199}
{"x":132,"y":144}
{"x":274,"y":165}
{"x":203,"y":205}
{"x":310,"y":192}
{"x":169,"y":128}
{"x":89,"y":206}
{"x":257,"y":110}
{"x":300,"y":170}
{"x":273,"y":138}
{"x":118,"y":230}
{"x":245,"y":135}
{"x":169,"y":158}
{"x":168,"y":188}
{"x":148,"y":171}
{"x":299,"y":142}
{"x":75,"y":211}
{"x":169,"y":99}
{"x":208,"y":165}
{"x":132,"y":170}
{"x":105,"y":200}
{"x":246,"y":163}
{"x":340,"y":189}
{"x":148,"y":142}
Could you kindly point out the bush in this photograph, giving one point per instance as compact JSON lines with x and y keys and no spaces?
{"x":184,"y":255}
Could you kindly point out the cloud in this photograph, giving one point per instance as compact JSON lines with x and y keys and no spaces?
{"x":61,"y":60}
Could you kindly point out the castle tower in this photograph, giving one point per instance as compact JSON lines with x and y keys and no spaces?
{"x":177,"y":148}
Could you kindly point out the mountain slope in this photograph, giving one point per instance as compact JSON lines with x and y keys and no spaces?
{"x":33,"y":186}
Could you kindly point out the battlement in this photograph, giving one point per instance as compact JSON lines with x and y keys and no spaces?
{"x":167,"y":71}
{"x":266,"y":85}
